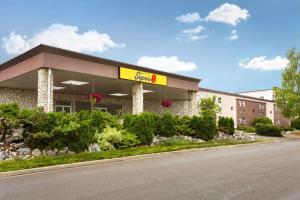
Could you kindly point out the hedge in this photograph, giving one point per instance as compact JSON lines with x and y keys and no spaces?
{"x":226,"y":125}
{"x":268,"y":130}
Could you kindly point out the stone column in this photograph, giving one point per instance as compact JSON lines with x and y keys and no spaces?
{"x":192,"y":106}
{"x":137,"y":98}
{"x":45,"y":89}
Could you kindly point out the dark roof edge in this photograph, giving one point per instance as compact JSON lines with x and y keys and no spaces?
{"x":253,"y":91}
{"x":233,"y":94}
{"x":63,"y":52}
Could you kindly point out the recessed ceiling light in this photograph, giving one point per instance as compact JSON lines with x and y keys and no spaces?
{"x":72,"y":82}
{"x":147,"y":91}
{"x":118,"y":94}
{"x":58,"y":88}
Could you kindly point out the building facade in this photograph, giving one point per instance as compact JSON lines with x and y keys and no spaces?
{"x":60,"y":80}
{"x":244,"y":109}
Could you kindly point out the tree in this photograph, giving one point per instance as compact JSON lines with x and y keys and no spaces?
{"x":8,"y":119}
{"x":287,"y":97}
{"x":209,"y":107}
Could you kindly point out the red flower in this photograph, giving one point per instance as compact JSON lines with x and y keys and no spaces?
{"x":95,"y":97}
{"x":166,"y":103}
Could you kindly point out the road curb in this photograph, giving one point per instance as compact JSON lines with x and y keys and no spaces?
{"x":112,"y":160}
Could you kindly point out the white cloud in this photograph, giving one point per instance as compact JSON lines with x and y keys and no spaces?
{"x":233,"y":35}
{"x":189,"y":18}
{"x":264,"y":64}
{"x":229,"y":14}
{"x":60,"y":35}
{"x":168,"y":64}
{"x":196,"y":30}
{"x":194,"y":33}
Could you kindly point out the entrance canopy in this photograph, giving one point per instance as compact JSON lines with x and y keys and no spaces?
{"x":49,"y":70}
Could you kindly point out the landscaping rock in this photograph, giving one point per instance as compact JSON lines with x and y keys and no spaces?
{"x":36,"y":152}
{"x":94,"y":148}
{"x":63,"y":151}
{"x":71,"y":152}
{"x":2,"y":155}
{"x":51,"y":152}
{"x":24,"y":151}
{"x":158,"y":140}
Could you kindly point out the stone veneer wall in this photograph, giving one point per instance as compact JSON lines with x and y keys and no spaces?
{"x":28,"y":99}
{"x":25,"y":98}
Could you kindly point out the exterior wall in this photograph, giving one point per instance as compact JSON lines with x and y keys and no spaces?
{"x":248,"y":110}
{"x":227,"y":103}
{"x":270,"y":111}
{"x":28,"y":99}
{"x":179,"y":107}
{"x":262,"y":94}
{"x":25,"y":98}
{"x":279,"y":119}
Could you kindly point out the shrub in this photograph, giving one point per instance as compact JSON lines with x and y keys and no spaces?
{"x":226,"y":125}
{"x":8,"y":119}
{"x":268,"y":130}
{"x":262,"y":120}
{"x":112,"y":138}
{"x":57,"y":130}
{"x":100,"y":120}
{"x":296,"y":123}
{"x":247,"y":129}
{"x":166,"y":125}
{"x":182,"y":126}
{"x":109,"y":139}
{"x":286,"y":128}
{"x":142,"y":125}
{"x":129,"y":140}
{"x":204,"y":127}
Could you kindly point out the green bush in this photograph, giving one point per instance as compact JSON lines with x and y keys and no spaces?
{"x":226,"y":125}
{"x":57,"y":130}
{"x":112,"y":138}
{"x":182,"y":126}
{"x":268,"y":130}
{"x":166,"y":125}
{"x":142,"y":125}
{"x":8,"y":119}
{"x":204,"y":126}
{"x":172,"y":141}
{"x":247,"y":129}
{"x":262,"y":120}
{"x":296,"y":124}
{"x":100,"y":120}
{"x":282,"y":128}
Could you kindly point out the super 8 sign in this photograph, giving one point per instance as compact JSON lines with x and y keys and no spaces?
{"x":140,"y":76}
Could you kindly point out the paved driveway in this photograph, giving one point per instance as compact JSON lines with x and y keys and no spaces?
{"x":263,"y":171}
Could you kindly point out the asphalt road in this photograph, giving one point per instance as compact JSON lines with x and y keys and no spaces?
{"x":263,"y":171}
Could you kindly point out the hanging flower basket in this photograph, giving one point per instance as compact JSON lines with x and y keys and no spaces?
{"x":166,"y":103}
{"x":94,"y":98}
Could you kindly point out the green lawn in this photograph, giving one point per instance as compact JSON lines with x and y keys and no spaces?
{"x":13,"y":165}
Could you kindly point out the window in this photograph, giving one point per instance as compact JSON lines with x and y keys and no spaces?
{"x":219,"y":100}
{"x":277,"y":122}
{"x":63,"y":106}
{"x":240,"y":120}
{"x":242,"y":103}
{"x":102,"y":109}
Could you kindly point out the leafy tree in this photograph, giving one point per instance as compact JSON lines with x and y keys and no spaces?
{"x":8,"y":119}
{"x":209,"y":107}
{"x":287,"y":97}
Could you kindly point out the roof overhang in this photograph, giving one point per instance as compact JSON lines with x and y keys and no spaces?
{"x":61,"y":59}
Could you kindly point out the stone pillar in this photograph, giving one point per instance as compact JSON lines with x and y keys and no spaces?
{"x":137,"y":98}
{"x":192,"y":106}
{"x":45,"y":89}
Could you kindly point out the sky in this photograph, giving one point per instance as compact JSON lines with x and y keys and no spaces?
{"x":231,"y":46}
